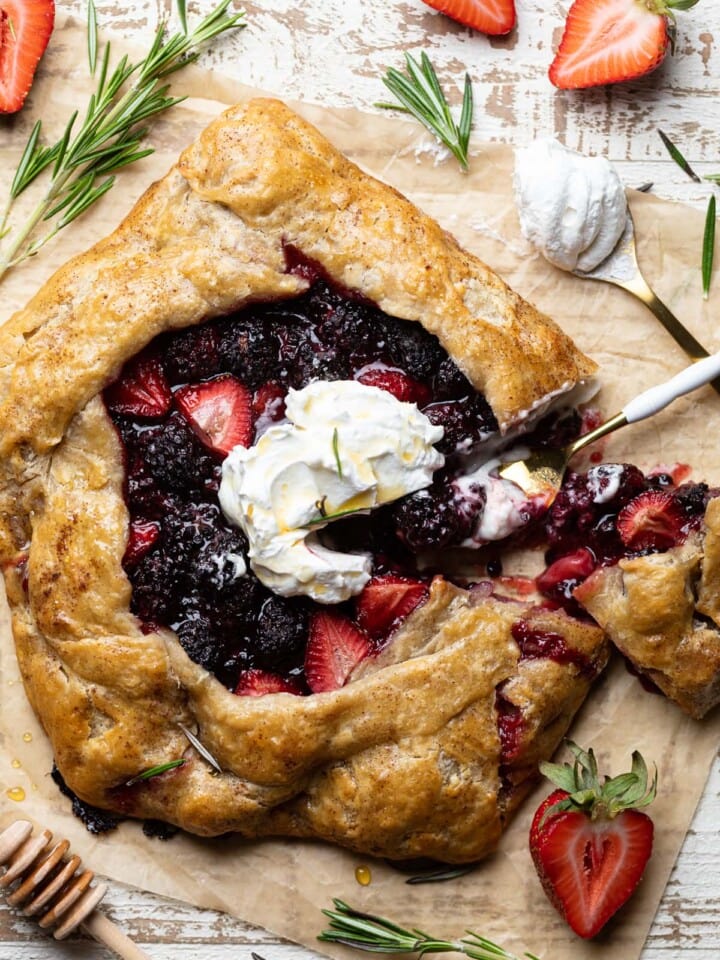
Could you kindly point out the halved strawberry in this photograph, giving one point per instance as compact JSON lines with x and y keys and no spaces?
{"x":652,"y":520}
{"x":589,"y":842}
{"x":219,"y":411}
{"x":385,"y":601}
{"x":256,"y":683}
{"x":142,"y":535}
{"x":608,"y":41}
{"x":493,"y":17}
{"x":142,"y":390}
{"x":398,"y":383}
{"x":25,"y":28}
{"x":335,"y":647}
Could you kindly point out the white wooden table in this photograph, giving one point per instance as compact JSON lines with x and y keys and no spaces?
{"x":334,"y":52}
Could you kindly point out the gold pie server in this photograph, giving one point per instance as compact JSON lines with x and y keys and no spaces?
{"x":541,"y":473}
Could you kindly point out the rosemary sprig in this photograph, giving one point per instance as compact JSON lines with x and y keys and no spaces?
{"x":708,"y":251}
{"x":84,"y":161}
{"x":420,"y":94}
{"x":678,"y":157}
{"x":377,"y":935}
{"x":155,"y":771}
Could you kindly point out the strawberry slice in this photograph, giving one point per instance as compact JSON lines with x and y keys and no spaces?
{"x":653,"y":520}
{"x":335,"y":647}
{"x":493,"y":17}
{"x":608,"y":41}
{"x":256,"y":683}
{"x":398,"y":383}
{"x":25,"y":28}
{"x":142,"y":390}
{"x":589,"y":842}
{"x":219,"y":411}
{"x":385,"y":601}
{"x":141,"y":537}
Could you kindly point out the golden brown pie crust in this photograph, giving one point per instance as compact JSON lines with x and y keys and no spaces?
{"x":662,"y":612}
{"x":404,"y":760}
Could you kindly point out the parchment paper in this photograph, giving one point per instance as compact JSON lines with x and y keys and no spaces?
{"x":283,"y":885}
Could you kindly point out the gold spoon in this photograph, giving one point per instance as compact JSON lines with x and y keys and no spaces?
{"x":622,"y":269}
{"x":541,"y":473}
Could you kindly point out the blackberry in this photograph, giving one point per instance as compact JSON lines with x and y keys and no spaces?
{"x":156,"y":582}
{"x":466,"y":422}
{"x":219,"y":557}
{"x":555,"y":431}
{"x":356,"y":329}
{"x":282,"y":628}
{"x":235,"y":607}
{"x":197,"y":639}
{"x":248,"y":348}
{"x":186,"y":531}
{"x":433,"y":518}
{"x":175,"y":457}
{"x":450,"y":382}
{"x":191,"y":355}
{"x":413,"y":349}
{"x":692,"y":498}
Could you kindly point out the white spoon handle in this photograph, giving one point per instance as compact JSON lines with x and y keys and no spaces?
{"x":657,"y":398}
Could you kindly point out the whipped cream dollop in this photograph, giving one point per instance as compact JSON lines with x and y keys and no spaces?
{"x":572,"y":207}
{"x":347,"y":447}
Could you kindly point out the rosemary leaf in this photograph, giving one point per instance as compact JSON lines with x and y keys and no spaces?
{"x":708,"y":251}
{"x":336,"y":452}
{"x":155,"y":771}
{"x":86,"y":157}
{"x":678,"y":157}
{"x":420,"y":94}
{"x":446,"y":873}
{"x":326,"y":517}
{"x":201,"y":748}
{"x":182,"y":14}
{"x":375,"y":934}
{"x":92,"y":37}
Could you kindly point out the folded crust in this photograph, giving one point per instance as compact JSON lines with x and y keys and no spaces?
{"x":662,"y":612}
{"x":407,"y":759}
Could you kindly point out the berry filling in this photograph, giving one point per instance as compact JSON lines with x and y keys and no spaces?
{"x":186,"y":400}
{"x":612,"y":512}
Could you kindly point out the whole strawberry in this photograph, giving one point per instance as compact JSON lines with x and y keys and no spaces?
{"x":589,"y":841}
{"x":607,"y":41}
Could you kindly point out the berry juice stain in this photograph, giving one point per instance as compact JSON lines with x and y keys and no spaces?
{"x":363,"y":875}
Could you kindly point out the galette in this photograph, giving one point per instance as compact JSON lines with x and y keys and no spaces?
{"x":239,"y":438}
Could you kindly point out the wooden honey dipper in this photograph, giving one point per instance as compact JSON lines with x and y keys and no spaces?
{"x":47,"y":883}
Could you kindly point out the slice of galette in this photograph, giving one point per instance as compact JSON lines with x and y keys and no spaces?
{"x":641,"y":554}
{"x":230,"y":435}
